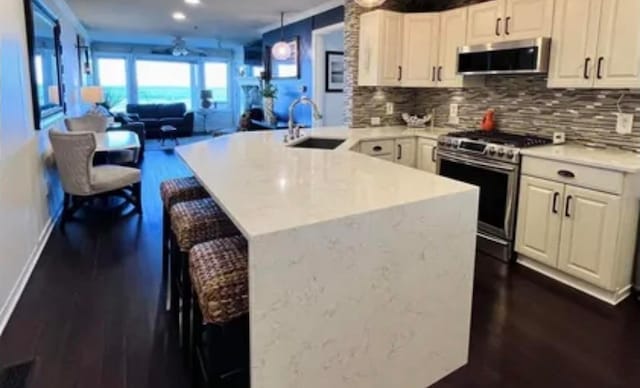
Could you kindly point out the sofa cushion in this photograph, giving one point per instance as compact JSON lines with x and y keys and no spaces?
{"x":172,"y":110}
{"x":145,"y":111}
{"x":150,"y":122}
{"x":174,"y":121}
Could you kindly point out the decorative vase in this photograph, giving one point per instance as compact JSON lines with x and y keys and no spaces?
{"x":269,"y":115}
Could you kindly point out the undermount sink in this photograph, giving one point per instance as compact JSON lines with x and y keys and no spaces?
{"x":319,"y":143}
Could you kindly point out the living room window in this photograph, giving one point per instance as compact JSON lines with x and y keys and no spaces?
{"x":112,"y":76}
{"x":216,"y":79}
{"x":163,"y":82}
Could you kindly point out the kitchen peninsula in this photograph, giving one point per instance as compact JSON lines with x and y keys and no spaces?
{"x":361,"y":270}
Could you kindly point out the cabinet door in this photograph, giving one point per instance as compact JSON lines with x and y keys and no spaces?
{"x":485,"y":23}
{"x":391,"y":49}
{"x":618,"y":63}
{"x":573,"y":43}
{"x":406,"y":152}
{"x":528,"y":19}
{"x":589,"y":235}
{"x":420,"y":50}
{"x":539,"y":219}
{"x":453,"y":30}
{"x":426,"y":156}
{"x":380,"y":51}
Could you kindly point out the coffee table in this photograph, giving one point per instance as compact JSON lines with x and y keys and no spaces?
{"x":168,"y":132}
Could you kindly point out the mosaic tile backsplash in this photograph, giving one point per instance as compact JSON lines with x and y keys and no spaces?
{"x":525,"y":104}
{"x":522,"y":103}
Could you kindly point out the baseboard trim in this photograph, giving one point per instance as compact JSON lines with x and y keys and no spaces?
{"x":25,"y":275}
{"x":611,"y":297}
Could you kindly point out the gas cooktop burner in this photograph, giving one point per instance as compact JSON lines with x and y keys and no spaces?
{"x":502,"y":138}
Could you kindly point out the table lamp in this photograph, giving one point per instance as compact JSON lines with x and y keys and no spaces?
{"x":93,"y":95}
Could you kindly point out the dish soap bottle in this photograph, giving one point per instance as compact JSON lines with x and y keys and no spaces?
{"x":489,"y":120}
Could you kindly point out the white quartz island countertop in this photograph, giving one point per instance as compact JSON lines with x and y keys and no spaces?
{"x":361,"y":270}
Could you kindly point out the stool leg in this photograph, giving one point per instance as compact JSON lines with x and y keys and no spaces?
{"x":166,"y":276}
{"x":186,"y":306}
{"x":196,"y":339}
{"x":174,"y":262}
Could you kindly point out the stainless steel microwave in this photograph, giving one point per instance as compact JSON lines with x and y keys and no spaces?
{"x":529,"y":56}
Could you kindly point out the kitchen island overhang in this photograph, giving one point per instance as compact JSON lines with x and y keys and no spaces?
{"x":361,"y":271}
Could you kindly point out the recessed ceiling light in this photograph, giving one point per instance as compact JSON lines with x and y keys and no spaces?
{"x":179,"y":16}
{"x":192,"y":2}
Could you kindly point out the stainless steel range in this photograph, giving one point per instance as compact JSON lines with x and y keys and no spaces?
{"x":490,"y":160}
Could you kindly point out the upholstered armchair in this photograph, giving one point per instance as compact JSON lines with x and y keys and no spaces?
{"x":88,"y":123}
{"x":131,"y":122}
{"x":82,"y":181}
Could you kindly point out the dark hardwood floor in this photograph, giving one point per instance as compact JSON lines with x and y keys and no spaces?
{"x":92,"y":316}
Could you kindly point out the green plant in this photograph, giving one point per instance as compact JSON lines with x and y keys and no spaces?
{"x":270,"y":91}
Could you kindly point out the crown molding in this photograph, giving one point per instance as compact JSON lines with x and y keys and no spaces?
{"x":296,"y":17}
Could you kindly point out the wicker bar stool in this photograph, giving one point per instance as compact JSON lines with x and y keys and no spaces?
{"x":220,"y":326}
{"x":192,"y":223}
{"x":174,"y":191}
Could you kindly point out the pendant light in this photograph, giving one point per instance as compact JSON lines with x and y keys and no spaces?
{"x":370,"y":3}
{"x":281,"y":50}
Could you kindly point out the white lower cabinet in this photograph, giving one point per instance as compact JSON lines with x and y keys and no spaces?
{"x":589,"y":235}
{"x":426,"y":159}
{"x":582,"y":236}
{"x":406,"y":152}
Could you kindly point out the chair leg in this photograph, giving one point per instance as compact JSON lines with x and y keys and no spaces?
{"x":137,"y":195}
{"x":66,"y":203}
{"x":166,"y":274}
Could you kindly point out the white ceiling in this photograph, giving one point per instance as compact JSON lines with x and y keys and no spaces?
{"x":236,"y":21}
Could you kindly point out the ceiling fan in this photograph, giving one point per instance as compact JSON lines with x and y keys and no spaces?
{"x":179,"y":48}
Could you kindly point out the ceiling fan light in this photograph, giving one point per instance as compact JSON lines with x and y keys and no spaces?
{"x":281,"y":51}
{"x":370,"y":3}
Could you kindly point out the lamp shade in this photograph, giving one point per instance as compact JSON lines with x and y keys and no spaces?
{"x":281,"y":51}
{"x":54,"y":95}
{"x":92,"y":94}
{"x":206,"y":94}
{"x":370,"y":3}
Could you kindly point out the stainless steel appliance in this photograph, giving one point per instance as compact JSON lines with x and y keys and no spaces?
{"x":515,"y":57}
{"x":491,"y":161}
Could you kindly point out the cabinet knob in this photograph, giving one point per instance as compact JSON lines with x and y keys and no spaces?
{"x":377,"y":148}
{"x":566,"y":174}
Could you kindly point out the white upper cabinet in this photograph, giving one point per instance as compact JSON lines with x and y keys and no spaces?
{"x":485,"y":23}
{"x":526,"y":19}
{"x":574,"y":43}
{"x":618,"y":63}
{"x":500,"y":20}
{"x":453,"y":28}
{"x":420,"y":50}
{"x":595,"y":44}
{"x":380,"y":53}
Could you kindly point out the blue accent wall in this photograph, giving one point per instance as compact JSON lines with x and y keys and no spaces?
{"x":290,"y":89}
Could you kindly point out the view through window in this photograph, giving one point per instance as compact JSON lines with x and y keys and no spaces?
{"x":163,"y":82}
{"x":216,"y":79}
{"x":112,"y":76}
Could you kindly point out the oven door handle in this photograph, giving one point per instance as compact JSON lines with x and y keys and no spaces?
{"x":477,"y":163}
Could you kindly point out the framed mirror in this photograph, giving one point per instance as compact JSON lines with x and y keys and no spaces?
{"x":290,"y":67}
{"x":45,"y":54}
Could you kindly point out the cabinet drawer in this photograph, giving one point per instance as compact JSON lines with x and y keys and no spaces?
{"x":374,"y":148}
{"x":574,"y":174}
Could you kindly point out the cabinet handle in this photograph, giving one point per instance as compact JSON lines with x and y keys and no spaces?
{"x":566,"y":210}
{"x":399,"y":151}
{"x":600,"y":60}
{"x":433,"y":154}
{"x":377,"y":148}
{"x":556,"y":195}
{"x":586,"y":68}
{"x":433,"y":74}
{"x":498,"y":26}
{"x":440,"y":73}
{"x":506,"y":25}
{"x":399,"y":73}
{"x":566,"y":174}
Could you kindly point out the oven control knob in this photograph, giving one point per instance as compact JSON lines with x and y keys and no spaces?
{"x":510,"y":154}
{"x":492,"y":151}
{"x":501,"y":152}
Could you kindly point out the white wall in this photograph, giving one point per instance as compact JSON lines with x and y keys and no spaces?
{"x":334,"y":103}
{"x":29,"y":194}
